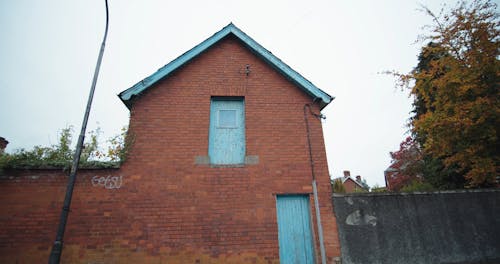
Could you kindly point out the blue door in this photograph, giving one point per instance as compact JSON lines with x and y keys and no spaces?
{"x":294,"y":229}
{"x":226,"y":144}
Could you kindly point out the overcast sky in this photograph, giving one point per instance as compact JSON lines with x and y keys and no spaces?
{"x":49,"y":48}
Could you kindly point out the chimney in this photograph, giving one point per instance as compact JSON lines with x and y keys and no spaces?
{"x":347,"y":173}
{"x":358,"y":178}
{"x":3,"y":144}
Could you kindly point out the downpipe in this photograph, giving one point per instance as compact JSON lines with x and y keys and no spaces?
{"x":315,"y":188}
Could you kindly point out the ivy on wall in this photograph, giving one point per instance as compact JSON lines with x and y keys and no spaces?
{"x":61,"y":154}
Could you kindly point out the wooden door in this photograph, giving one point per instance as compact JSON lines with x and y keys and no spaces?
{"x":227,"y":131}
{"x":294,"y":229}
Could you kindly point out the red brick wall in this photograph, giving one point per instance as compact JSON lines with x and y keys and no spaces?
{"x":31,"y":204}
{"x":349,"y":186}
{"x":170,"y":209}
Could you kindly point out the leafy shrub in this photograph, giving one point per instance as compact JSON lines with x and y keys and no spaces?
{"x":61,"y":154}
{"x":418,"y":186}
{"x":337,"y":186}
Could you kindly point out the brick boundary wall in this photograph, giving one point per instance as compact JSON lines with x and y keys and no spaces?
{"x":31,"y":205}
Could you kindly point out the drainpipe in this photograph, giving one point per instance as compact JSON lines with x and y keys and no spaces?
{"x":315,"y":189}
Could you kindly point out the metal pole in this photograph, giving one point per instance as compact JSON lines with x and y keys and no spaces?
{"x":55,"y":254}
{"x":318,"y":220}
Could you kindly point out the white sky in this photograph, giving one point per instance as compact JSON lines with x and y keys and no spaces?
{"x":48,"y":51}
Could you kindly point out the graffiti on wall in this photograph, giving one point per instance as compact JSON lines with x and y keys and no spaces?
{"x":108,"y":182}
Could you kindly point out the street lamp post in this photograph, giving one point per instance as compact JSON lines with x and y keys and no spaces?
{"x":55,"y":254}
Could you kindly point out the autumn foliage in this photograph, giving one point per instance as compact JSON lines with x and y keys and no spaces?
{"x":406,"y":165}
{"x":455,"y":88}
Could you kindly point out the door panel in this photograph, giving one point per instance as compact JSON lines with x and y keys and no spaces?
{"x":227,"y":131}
{"x":294,"y":229}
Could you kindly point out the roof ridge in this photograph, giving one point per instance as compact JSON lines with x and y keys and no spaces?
{"x":344,"y":179}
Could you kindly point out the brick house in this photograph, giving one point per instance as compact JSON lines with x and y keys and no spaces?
{"x":219,"y":170}
{"x":3,"y":144}
{"x":353,"y":184}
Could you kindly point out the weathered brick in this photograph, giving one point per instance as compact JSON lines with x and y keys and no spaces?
{"x":171,"y":207}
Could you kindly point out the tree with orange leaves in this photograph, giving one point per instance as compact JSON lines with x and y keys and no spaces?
{"x":456,"y":95}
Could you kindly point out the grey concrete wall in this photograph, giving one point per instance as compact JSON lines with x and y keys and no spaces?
{"x":439,"y":227}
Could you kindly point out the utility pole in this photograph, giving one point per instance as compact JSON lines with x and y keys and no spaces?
{"x":55,"y":254}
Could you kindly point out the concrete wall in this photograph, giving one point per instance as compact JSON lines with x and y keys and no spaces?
{"x":444,"y":227}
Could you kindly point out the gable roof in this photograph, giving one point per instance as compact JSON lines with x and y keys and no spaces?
{"x":127,"y":95}
{"x":344,"y":179}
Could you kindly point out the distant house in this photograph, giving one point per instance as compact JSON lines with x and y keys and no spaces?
{"x":353,"y":184}
{"x":390,"y":174}
{"x":3,"y":144}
